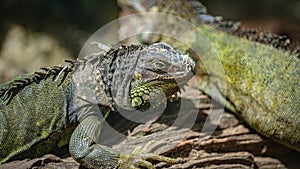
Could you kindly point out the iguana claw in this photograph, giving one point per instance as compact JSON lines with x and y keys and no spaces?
{"x":140,"y":159}
{"x":135,"y":161}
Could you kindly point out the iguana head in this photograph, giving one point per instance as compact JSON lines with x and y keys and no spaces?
{"x":156,"y":73}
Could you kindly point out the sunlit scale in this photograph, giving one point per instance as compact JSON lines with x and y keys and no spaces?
{"x":141,"y":95}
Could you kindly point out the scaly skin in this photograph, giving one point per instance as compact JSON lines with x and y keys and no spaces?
{"x":259,"y":75}
{"x":40,"y":111}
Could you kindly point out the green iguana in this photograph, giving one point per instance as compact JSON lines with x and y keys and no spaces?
{"x":256,"y":75}
{"x":46,"y":108}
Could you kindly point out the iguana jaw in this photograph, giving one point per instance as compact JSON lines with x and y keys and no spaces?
{"x":154,"y":92}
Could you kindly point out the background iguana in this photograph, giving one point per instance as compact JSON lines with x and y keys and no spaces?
{"x":255,"y":75}
{"x":41,"y":109}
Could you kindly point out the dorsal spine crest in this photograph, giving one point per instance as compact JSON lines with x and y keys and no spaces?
{"x":10,"y":91}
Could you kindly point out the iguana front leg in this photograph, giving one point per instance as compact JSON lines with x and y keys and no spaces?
{"x":85,"y":150}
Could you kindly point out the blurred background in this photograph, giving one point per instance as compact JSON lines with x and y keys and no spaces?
{"x":278,"y":16}
{"x":36,"y":33}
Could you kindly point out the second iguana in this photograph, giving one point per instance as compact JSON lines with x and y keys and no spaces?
{"x":255,"y":75}
{"x":46,"y":108}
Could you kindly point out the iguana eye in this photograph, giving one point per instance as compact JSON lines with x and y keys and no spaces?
{"x":159,"y":65}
